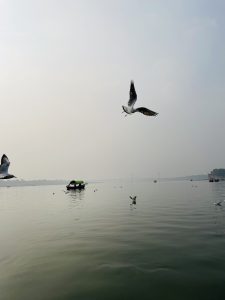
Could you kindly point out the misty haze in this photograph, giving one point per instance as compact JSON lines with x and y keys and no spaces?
{"x":112,"y":173}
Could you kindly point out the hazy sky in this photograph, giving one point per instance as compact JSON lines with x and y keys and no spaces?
{"x":65,"y":71}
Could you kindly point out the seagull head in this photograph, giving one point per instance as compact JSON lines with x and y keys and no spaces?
{"x":125,"y":109}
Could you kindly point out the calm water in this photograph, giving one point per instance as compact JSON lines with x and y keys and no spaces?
{"x":95,"y":245}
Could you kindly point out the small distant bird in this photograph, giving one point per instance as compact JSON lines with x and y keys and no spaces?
{"x":133,"y":98}
{"x":4,"y":168}
{"x":219,"y":203}
{"x":133,"y":199}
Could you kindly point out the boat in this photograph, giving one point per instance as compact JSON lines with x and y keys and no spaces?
{"x":76,"y":185}
{"x":216,"y":175}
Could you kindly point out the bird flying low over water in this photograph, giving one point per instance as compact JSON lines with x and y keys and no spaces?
{"x":4,"y":168}
{"x":133,"y":98}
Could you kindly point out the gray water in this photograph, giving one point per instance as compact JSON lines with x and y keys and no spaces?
{"x":95,"y":245}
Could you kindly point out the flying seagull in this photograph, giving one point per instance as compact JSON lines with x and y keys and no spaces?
{"x":4,"y":168}
{"x":133,"y":98}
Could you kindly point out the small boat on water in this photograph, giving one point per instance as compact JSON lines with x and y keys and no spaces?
{"x":76,"y":185}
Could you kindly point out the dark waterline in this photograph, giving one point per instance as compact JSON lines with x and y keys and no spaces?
{"x":95,"y":245}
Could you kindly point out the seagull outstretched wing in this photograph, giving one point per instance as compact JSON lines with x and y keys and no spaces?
{"x":133,"y":95}
{"x":146,"y":111}
{"x":4,"y":164}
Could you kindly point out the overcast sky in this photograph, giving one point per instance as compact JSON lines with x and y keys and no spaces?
{"x":65,"y":71}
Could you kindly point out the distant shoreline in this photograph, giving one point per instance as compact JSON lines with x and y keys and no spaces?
{"x":15,"y":183}
{"x":43,"y":182}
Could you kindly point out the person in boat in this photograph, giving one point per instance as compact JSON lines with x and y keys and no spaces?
{"x":76,"y":184}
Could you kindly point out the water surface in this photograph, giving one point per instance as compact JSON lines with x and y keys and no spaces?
{"x":95,"y":245}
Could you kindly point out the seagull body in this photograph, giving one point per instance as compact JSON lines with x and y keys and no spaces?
{"x":133,"y":98}
{"x":4,"y":168}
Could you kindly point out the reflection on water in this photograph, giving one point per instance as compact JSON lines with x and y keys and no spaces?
{"x":76,"y":194}
{"x":75,"y":197}
{"x":93,"y":244}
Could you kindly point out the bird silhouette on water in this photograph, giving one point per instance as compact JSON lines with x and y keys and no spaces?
{"x":133,"y":199}
{"x":5,"y":163}
{"x":133,"y":98}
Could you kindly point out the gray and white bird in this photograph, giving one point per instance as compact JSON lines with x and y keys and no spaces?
{"x":4,"y":168}
{"x":133,"y":98}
